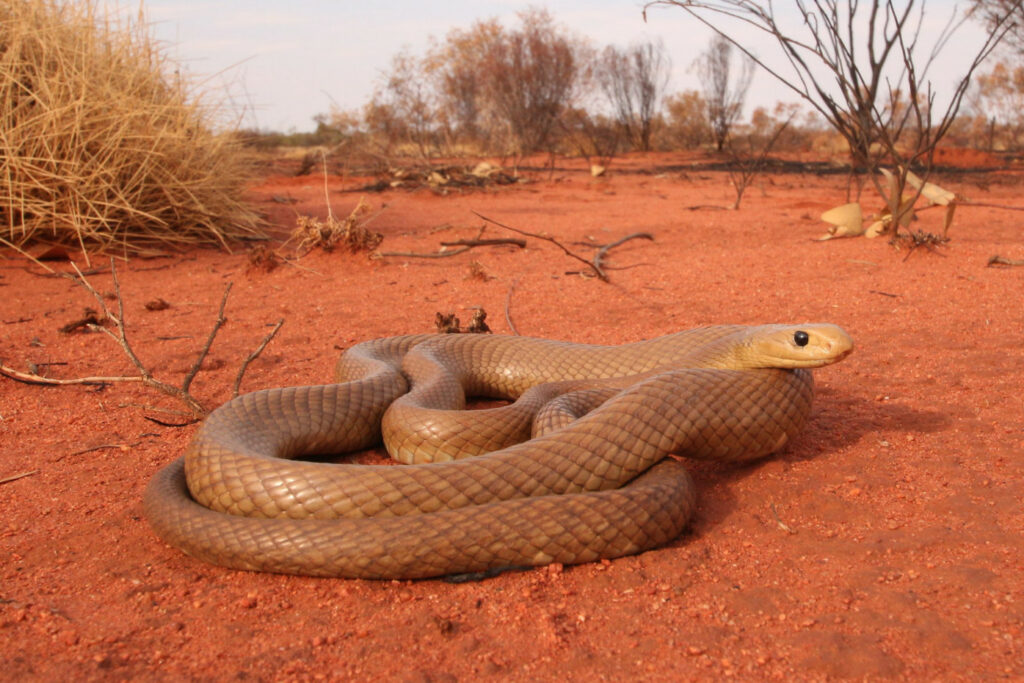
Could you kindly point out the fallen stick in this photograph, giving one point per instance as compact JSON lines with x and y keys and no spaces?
{"x":32,"y":378}
{"x":998,"y":260}
{"x":508,"y":308}
{"x":105,"y":446}
{"x":15,"y":477}
{"x":465,"y":245}
{"x":414,"y":254}
{"x":485,"y":242}
{"x":611,"y":245}
{"x":597,"y":270}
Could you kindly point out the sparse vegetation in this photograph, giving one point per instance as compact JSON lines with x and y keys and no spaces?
{"x":140,"y":162}
{"x":494,"y":90}
{"x":491,"y":90}
{"x":146,"y":162}
{"x":865,"y":69}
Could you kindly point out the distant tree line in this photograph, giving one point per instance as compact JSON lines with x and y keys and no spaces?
{"x":511,"y":91}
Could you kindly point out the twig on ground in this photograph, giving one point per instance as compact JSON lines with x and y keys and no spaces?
{"x":508,"y":307}
{"x":413,"y":254}
{"x":998,"y":260}
{"x":15,"y":477}
{"x":156,"y":409}
{"x":105,"y":446}
{"x":611,"y":245}
{"x":485,"y":242}
{"x":463,"y":244}
{"x":33,"y":378}
{"x":186,"y":423}
{"x":782,"y":525}
{"x":596,"y":270}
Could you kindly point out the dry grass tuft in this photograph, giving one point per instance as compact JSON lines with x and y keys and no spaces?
{"x":350,"y":232}
{"x":103,"y":144}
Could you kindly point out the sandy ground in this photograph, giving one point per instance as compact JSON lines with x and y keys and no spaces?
{"x":885,"y":543}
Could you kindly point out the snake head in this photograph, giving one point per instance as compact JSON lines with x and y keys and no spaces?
{"x":809,"y":345}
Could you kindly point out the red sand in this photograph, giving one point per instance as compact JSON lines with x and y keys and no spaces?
{"x":884,"y":543}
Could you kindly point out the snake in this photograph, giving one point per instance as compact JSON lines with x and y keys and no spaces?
{"x":484,"y":490}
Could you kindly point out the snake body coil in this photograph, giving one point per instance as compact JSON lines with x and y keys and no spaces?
{"x":599,"y":487}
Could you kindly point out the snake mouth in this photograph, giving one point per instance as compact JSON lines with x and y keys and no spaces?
{"x":821,"y":361}
{"x":844,"y":349}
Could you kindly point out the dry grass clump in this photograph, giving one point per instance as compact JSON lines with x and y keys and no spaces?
{"x":103,"y":144}
{"x":350,"y":232}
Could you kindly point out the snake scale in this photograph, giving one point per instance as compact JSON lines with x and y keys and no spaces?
{"x":594,"y":483}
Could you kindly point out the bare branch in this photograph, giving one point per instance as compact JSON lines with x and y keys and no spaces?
{"x":254,"y":355}
{"x":599,"y":256}
{"x":415,"y":254}
{"x":998,"y":260}
{"x":120,"y":336}
{"x":601,"y":275}
{"x":35,"y":378}
{"x":21,"y":475}
{"x":485,"y":242}
{"x":187,"y":382}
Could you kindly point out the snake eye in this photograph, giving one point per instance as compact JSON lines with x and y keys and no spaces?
{"x":801,"y":338}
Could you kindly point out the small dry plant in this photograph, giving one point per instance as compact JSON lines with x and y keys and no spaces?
{"x":746,"y":164}
{"x":450,"y":324}
{"x":104,"y":145}
{"x":916,"y":240}
{"x":477,"y":272}
{"x":350,"y":232}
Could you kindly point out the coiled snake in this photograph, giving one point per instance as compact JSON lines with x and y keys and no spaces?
{"x":598,"y":487}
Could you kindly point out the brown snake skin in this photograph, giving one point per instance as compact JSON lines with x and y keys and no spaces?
{"x":598,"y":487}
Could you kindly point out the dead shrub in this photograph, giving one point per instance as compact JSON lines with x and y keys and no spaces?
{"x":263,"y":259}
{"x":104,"y":145}
{"x":350,"y":232}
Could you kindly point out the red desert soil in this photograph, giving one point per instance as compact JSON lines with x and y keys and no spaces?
{"x":884,"y":543}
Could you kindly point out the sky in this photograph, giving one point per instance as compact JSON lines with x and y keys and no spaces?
{"x":282,"y":63}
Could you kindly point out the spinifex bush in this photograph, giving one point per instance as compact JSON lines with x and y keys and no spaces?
{"x":103,"y":144}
